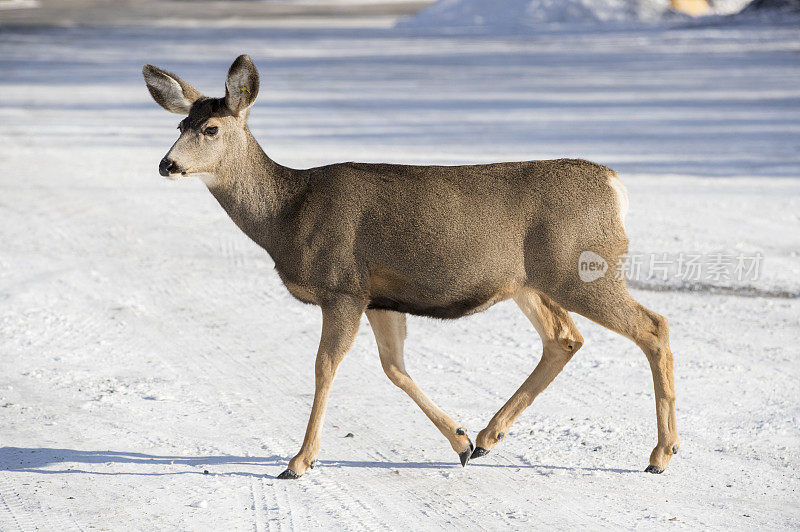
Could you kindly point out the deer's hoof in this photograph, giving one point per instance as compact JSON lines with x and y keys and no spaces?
{"x":653,"y":469}
{"x":478,"y":452}
{"x":288,"y":475}
{"x":466,"y":454}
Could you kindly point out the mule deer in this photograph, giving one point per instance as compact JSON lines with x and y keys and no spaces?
{"x":440,"y":241}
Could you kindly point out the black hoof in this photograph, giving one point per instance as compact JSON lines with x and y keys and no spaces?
{"x":288,"y":475}
{"x":478,"y":452}
{"x":466,"y":454}
{"x":653,"y":469}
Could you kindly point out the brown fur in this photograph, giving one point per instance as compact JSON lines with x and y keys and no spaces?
{"x":438,"y":241}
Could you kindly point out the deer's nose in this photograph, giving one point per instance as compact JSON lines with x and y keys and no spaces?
{"x":167,"y":166}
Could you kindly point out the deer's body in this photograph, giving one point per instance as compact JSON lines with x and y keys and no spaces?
{"x":439,"y":241}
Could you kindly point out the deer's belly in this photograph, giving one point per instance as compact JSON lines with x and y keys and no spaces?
{"x":390,"y":290}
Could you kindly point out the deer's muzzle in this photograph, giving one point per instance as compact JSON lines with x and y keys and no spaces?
{"x":168,"y":166}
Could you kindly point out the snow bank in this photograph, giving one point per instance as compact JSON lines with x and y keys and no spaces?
{"x":771,"y":11}
{"x":18,"y":4}
{"x":511,"y":15}
{"x":773,"y":5}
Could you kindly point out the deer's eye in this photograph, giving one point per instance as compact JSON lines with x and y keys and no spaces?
{"x":210,"y":131}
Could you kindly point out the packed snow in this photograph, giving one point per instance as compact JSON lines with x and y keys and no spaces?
{"x":155,"y":374}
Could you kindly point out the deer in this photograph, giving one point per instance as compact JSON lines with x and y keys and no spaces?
{"x":388,"y":240}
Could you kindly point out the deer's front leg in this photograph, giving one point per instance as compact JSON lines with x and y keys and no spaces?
{"x":339,"y":326}
{"x":560,"y":340}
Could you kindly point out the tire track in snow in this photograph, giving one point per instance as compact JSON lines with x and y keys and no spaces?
{"x":331,"y":491}
{"x":320,"y":488}
{"x":288,"y":514}
{"x":456,"y":511}
{"x":394,"y":509}
{"x":589,"y":388}
{"x":219,"y":359}
{"x":13,"y":515}
{"x":382,"y":509}
{"x":570,"y":510}
{"x":702,"y":289}
{"x":456,"y":508}
{"x":17,"y":515}
{"x":350,"y":504}
{"x":258,"y":506}
{"x":233,"y":250}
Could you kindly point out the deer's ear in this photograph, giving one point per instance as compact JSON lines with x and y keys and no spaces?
{"x":169,"y":91}
{"x":241,"y":87}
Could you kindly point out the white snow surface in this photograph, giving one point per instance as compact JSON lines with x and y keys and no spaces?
{"x":144,"y":340}
{"x":512,"y":15}
{"x":18,"y":4}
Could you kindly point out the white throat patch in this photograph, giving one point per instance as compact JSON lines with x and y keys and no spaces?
{"x":206,"y":177}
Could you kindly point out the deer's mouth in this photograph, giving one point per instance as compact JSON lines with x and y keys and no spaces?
{"x":206,"y":177}
{"x":177,"y":174}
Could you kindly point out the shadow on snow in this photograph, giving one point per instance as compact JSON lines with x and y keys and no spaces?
{"x":41,"y":459}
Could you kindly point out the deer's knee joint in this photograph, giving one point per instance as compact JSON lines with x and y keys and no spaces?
{"x":653,"y":335}
{"x":324,"y":367}
{"x":563,"y":348}
{"x":571,"y":342}
{"x":571,"y":345}
{"x":398,"y":377}
{"x":660,"y":326}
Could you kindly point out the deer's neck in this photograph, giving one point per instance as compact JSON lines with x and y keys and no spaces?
{"x":256,"y":191}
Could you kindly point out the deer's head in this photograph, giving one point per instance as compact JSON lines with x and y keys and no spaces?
{"x":214,"y":133}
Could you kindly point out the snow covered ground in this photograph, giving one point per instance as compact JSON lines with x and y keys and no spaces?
{"x":144,"y":341}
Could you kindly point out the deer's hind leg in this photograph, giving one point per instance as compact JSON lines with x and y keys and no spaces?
{"x":560,"y":340}
{"x":389,"y":328}
{"x":607,"y":302}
